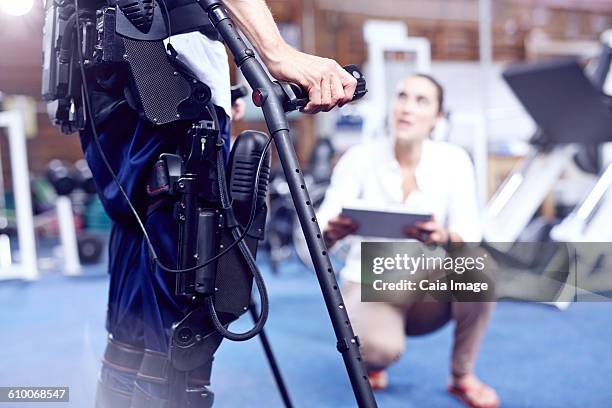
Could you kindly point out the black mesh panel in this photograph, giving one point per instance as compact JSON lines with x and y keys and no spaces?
{"x":160,"y":87}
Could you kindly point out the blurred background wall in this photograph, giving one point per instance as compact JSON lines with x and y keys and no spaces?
{"x":521,"y":30}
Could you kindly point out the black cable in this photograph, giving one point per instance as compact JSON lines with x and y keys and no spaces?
{"x":168,"y":21}
{"x":116,"y":180}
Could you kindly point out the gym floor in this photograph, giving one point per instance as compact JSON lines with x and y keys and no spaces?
{"x":52,"y":334}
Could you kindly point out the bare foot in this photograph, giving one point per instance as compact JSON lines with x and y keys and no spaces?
{"x":473,"y":392}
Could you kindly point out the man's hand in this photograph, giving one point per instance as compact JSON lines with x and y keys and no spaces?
{"x":327,"y":83}
{"x":338,"y":228}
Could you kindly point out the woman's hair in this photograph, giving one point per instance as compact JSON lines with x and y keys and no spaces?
{"x":438,"y":87}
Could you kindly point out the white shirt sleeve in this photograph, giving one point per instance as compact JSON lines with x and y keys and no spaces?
{"x":463,"y":209}
{"x":345,"y":185}
{"x":207,"y":59}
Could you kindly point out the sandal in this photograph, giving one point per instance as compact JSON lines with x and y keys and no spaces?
{"x":471,"y":394}
{"x":378,"y":380}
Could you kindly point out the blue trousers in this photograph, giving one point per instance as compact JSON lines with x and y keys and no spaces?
{"x":142,"y":305}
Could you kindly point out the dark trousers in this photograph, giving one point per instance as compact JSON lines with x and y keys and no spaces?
{"x":142,"y":305}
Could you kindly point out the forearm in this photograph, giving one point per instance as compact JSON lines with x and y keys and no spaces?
{"x":327,"y":84}
{"x":256,"y":22}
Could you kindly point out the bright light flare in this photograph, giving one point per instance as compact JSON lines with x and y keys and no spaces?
{"x":16,"y":7}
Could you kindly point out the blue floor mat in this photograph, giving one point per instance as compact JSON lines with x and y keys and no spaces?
{"x":52,"y":334}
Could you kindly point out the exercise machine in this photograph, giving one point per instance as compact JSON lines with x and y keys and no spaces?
{"x":574,"y":120}
{"x":27,"y":267}
{"x":571,"y":114}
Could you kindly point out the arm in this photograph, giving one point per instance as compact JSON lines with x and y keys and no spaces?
{"x":327,"y":83}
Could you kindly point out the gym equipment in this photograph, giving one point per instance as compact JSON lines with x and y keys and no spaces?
{"x":589,"y":222}
{"x":569,"y":111}
{"x":214,"y":219}
{"x":74,"y":186}
{"x":27,"y":268}
{"x":574,"y":118}
{"x":588,"y":226}
{"x":64,"y":180}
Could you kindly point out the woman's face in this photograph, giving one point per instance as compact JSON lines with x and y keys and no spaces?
{"x":415,"y":109}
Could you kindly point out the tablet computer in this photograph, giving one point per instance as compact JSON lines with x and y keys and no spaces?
{"x":383,"y":222}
